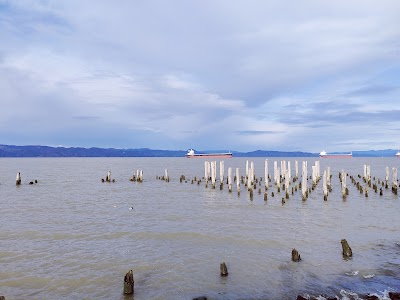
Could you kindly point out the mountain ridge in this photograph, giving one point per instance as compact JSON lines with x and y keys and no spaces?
{"x":48,"y":151}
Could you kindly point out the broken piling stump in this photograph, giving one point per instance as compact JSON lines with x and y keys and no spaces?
{"x":223,"y":269}
{"x":346,"y":249}
{"x":128,"y":283}
{"x":18,"y":179}
{"x":295,"y":255}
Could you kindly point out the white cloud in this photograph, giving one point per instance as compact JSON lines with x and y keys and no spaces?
{"x":177,"y":73}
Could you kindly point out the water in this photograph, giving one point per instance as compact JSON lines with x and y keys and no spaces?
{"x":72,"y":237}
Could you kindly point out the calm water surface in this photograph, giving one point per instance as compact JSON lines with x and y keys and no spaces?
{"x":72,"y":237}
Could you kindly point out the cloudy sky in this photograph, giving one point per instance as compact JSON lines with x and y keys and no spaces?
{"x":210,"y":74}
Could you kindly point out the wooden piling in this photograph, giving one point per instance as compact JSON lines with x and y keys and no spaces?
{"x":18,"y":179}
{"x":386,"y":177}
{"x":343,"y":179}
{"x":325,"y":186}
{"x":108,"y":177}
{"x":247,"y":170}
{"x":230,"y":180}
{"x":237,"y":181}
{"x":221,"y":171}
{"x":129,"y":283}
{"x":278,"y":180}
{"x":346,"y":250}
{"x":266,"y":174}
{"x":213,"y":173}
{"x":304,"y":187}
{"x":223,"y":269}
{"x":295,"y":255}
{"x":287,"y":182}
{"x":167,"y":177}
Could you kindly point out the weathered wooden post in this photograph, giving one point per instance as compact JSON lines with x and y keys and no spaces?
{"x":166,"y":175}
{"x":318,"y":170}
{"x":266,"y":174}
{"x":295,"y":255}
{"x":296,"y":165}
{"x":387,"y":177}
{"x":248,"y":179}
{"x":129,"y":283}
{"x":369,"y":175}
{"x":287,"y":182}
{"x":223,"y":269}
{"x":237,"y":181}
{"x":365,"y":173}
{"x":289,"y":172}
{"x":343,"y":177}
{"x":328,"y":179}
{"x":394,"y":181}
{"x":324,"y":186}
{"x":230,"y":180}
{"x":108,"y":178}
{"x":141,"y":176}
{"x":252,"y":173}
{"x":221,"y":174}
{"x":278,"y":179}
{"x":18,"y":179}
{"x":304,"y":187}
{"x":247,"y":170}
{"x":213,"y":173}
{"x":275,"y":172}
{"x":346,"y":248}
{"x":313,"y":176}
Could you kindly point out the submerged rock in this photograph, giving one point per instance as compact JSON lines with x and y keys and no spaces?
{"x":394,"y":296}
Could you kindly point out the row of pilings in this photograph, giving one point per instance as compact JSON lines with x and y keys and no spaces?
{"x":281,"y":179}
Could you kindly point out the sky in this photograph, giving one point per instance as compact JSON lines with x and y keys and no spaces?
{"x":211,"y":74}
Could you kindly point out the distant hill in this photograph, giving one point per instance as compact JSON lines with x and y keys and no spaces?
{"x":375,"y":153}
{"x":46,"y":151}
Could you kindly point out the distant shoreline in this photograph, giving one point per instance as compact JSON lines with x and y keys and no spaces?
{"x":47,"y":151}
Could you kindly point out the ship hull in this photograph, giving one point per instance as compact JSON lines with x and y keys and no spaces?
{"x":227,"y":155}
{"x":336,"y":156}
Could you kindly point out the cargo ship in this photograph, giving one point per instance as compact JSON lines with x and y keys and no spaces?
{"x":335,"y":155}
{"x":191,"y":154}
{"x":398,"y":154}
